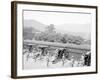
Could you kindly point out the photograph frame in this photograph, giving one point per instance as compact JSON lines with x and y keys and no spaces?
{"x":14,"y":41}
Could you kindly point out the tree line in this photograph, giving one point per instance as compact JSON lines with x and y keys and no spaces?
{"x":50,"y":35}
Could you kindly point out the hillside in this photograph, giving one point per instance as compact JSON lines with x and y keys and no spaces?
{"x":34,"y":24}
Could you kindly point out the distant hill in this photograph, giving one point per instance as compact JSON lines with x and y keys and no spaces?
{"x":34,"y":24}
{"x":82,"y":30}
{"x":30,"y":30}
{"x":31,"y":27}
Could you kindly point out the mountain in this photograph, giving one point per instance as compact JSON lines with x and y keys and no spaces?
{"x":74,"y":27}
{"x":34,"y":24}
{"x":83,"y":30}
{"x":30,"y":30}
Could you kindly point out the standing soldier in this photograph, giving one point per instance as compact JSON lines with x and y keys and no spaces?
{"x":87,"y":59}
{"x":30,"y":51}
{"x":72,"y":61}
{"x":47,"y":58}
{"x":82,"y":60}
{"x":63,"y":59}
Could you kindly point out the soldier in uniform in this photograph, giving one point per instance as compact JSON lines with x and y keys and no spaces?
{"x":87,"y":59}
{"x":62,"y":52}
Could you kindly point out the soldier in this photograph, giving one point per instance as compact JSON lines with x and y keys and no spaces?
{"x":81,"y":61}
{"x":30,"y":51}
{"x":59,"y":56}
{"x":63,"y":59}
{"x":87,"y":59}
{"x":72,"y":61}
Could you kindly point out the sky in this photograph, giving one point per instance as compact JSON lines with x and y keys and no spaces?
{"x":58,"y":18}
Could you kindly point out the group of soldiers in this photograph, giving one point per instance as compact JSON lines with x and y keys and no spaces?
{"x":61,"y":54}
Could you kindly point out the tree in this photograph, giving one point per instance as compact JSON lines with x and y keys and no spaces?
{"x":63,"y":40}
{"x":29,"y":32}
{"x":50,"y":28}
{"x":49,"y":33}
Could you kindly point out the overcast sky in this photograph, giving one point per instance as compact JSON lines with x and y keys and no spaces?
{"x":58,"y":18}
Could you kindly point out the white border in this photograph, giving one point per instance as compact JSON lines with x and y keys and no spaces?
{"x":21,"y":72}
